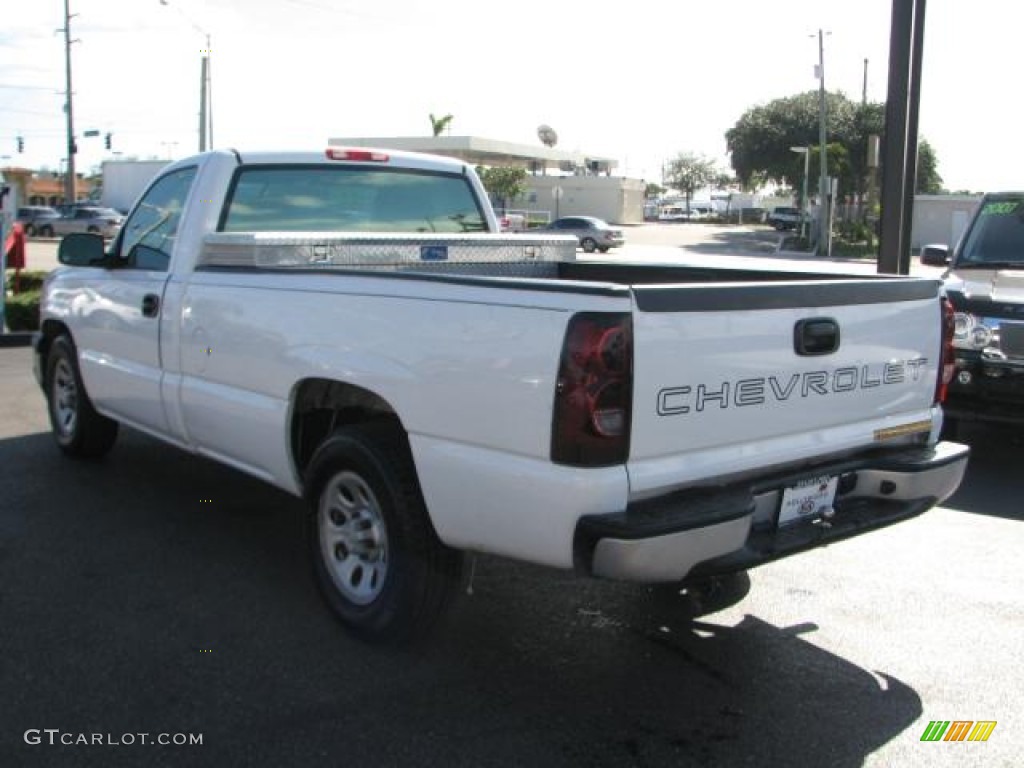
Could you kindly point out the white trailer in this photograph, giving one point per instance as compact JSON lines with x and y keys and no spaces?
{"x":125,"y":180}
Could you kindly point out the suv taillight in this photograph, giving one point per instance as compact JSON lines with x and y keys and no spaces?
{"x":594,"y":391}
{"x":947,"y":357}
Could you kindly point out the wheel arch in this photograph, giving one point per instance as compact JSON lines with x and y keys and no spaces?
{"x":49,"y":330}
{"x":319,"y":406}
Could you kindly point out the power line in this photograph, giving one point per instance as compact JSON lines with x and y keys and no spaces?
{"x":30,"y":87}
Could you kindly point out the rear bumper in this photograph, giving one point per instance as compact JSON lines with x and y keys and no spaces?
{"x":714,"y":531}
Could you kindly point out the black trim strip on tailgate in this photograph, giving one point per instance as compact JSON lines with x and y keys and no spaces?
{"x":731,"y":298}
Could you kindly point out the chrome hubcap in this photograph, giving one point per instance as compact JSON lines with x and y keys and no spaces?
{"x":65,"y":398}
{"x":353,"y":538}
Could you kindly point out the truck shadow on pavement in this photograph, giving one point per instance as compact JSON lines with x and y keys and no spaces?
{"x":159,"y":592}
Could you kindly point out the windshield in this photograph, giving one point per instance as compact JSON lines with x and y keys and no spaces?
{"x":355,"y":199}
{"x":997,"y":236}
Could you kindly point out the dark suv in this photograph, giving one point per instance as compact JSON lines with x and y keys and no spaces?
{"x":985,"y":284}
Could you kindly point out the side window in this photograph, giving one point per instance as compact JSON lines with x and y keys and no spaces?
{"x":150,"y":231}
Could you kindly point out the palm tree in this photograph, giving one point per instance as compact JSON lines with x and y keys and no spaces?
{"x":438,"y":124}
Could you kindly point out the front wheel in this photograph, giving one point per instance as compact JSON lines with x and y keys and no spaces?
{"x":589,"y":244}
{"x":79,"y":430}
{"x":604,"y":248}
{"x":376,"y":557}
{"x":46,"y":231}
{"x":30,"y":230}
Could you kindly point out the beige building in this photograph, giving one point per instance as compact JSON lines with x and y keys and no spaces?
{"x":941,"y":219}
{"x":561,"y":183}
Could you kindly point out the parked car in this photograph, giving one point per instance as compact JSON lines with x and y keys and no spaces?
{"x":32,"y":217}
{"x":784,"y":217}
{"x":594,"y":234}
{"x":102,"y":221}
{"x":671,"y":213}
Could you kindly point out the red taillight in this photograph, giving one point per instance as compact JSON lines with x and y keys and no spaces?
{"x":594,"y":391}
{"x":947,"y":358}
{"x":357,"y":155}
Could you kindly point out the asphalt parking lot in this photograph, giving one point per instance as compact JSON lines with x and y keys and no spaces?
{"x":159,"y":593}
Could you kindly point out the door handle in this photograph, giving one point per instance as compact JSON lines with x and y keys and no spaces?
{"x":816,"y":336}
{"x":150,"y":305}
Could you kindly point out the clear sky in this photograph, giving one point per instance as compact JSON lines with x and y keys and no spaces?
{"x":638,"y":81}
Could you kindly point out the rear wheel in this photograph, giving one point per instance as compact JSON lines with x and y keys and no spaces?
{"x":30,"y":230}
{"x":376,"y":557}
{"x":589,"y":244}
{"x":77,"y":427}
{"x":46,"y":231}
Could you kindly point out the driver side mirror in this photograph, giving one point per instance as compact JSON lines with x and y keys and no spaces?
{"x":935,"y":255}
{"x":81,"y":249}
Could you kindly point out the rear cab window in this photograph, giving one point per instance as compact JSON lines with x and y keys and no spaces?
{"x":350,"y":199}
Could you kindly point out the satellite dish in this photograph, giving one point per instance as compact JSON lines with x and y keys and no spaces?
{"x":547,"y":135}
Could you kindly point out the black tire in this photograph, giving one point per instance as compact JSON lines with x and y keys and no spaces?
{"x":30,"y":230}
{"x":92,"y":229}
{"x":698,"y":597}
{"x":80,"y":431}
{"x":589,"y":244}
{"x":46,"y":231}
{"x":604,"y":248}
{"x":376,"y":557}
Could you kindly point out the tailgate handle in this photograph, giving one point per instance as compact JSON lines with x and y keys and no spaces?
{"x":816,"y":336}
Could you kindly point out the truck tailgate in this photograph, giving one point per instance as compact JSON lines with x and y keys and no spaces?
{"x":733,"y":377}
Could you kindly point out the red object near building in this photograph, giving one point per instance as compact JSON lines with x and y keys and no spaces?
{"x":15,"y":247}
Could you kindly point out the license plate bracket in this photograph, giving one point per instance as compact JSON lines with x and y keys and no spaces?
{"x":808,"y":499}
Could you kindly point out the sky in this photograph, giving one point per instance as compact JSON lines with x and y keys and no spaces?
{"x":638,"y":82}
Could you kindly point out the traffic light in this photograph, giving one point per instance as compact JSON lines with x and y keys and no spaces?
{"x":21,"y":144}
{"x":106,"y":140}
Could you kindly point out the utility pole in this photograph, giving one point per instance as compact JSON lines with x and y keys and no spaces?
{"x":205,"y":82}
{"x":824,"y":235}
{"x":70,"y":191}
{"x":864,"y":92}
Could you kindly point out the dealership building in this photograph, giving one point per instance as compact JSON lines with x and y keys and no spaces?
{"x":560,"y":182}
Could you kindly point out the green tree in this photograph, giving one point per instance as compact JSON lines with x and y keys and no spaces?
{"x":438,"y":124}
{"x":928,"y":180}
{"x":723,"y":180}
{"x":503,"y":183}
{"x":688,"y":172}
{"x":653,"y":190}
{"x":760,"y":142}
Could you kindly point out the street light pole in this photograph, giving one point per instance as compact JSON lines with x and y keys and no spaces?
{"x":806,"y":152}
{"x":823,"y":205}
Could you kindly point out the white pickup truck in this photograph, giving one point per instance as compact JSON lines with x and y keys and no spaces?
{"x":350,"y":327}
